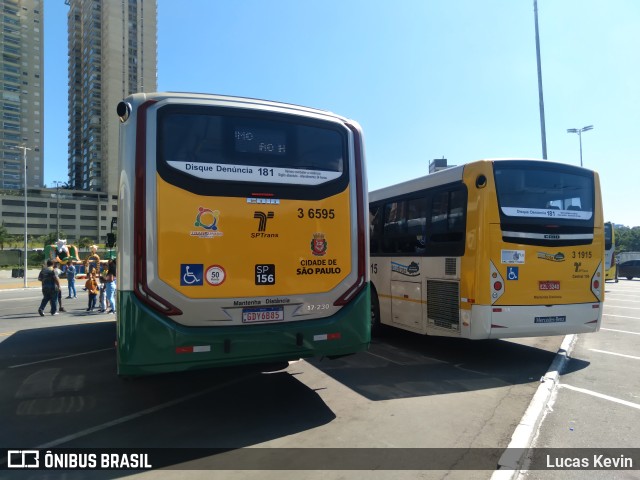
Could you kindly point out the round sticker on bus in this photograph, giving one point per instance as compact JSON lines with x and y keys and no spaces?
{"x":215,"y":275}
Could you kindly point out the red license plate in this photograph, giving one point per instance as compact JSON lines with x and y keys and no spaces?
{"x":549,"y":285}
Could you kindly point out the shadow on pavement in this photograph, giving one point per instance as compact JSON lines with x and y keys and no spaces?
{"x":60,"y":390}
{"x":405,"y":365}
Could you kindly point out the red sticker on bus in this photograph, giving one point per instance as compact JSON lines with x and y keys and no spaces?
{"x":549,"y":285}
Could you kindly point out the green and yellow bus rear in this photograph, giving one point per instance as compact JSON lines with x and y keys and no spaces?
{"x":242,"y":233}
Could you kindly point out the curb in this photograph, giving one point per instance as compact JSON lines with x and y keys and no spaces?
{"x":510,"y":463}
{"x":19,"y":286}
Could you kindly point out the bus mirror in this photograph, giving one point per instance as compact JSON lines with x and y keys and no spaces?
{"x":123,"y":110}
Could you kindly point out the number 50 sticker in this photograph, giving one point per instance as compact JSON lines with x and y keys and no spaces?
{"x":215,"y":275}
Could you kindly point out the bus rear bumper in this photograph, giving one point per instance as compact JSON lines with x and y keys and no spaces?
{"x":534,"y":321}
{"x":148,"y":342}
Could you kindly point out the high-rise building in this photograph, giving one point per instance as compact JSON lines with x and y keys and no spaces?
{"x":112,"y":54}
{"x":22,"y":90}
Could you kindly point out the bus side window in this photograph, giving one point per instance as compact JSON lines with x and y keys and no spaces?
{"x":458,"y":201}
{"x":375,"y":225}
{"x":446,"y":232}
{"x":439,"y":215}
{"x":416,"y":224}
{"x":394,"y":226}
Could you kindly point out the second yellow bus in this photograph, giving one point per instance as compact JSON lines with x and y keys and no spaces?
{"x":490,"y":249}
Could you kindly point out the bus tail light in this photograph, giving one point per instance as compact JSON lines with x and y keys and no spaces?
{"x":141,"y":289}
{"x":596,"y":283}
{"x":327,"y":336}
{"x":497,"y":283}
{"x":193,"y":349}
{"x":361,"y":240}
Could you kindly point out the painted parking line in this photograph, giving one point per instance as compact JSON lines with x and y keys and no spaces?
{"x":613,"y":353}
{"x":141,"y":413}
{"x":619,"y":331}
{"x":620,"y":316}
{"x":61,"y":358}
{"x":386,"y":359}
{"x":16,"y":299}
{"x":600,"y":395}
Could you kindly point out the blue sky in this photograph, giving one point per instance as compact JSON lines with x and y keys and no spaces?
{"x":425,"y":78}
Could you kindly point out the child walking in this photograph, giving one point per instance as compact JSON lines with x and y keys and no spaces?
{"x":103,"y":294}
{"x":92,"y":288}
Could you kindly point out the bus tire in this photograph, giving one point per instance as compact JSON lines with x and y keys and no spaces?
{"x":376,"y":325}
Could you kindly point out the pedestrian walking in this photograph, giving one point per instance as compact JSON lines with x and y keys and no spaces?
{"x":92,"y":288}
{"x":110,"y":279}
{"x":50,"y":288}
{"x":56,"y":267}
{"x":71,"y":279}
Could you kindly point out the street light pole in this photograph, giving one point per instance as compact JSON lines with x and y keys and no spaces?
{"x":543,"y":131}
{"x":57,"y":209}
{"x":24,"y":256}
{"x":579,"y":132}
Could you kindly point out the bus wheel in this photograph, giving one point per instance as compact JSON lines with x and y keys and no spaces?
{"x":376,"y":325}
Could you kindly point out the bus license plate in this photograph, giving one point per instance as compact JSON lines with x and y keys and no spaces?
{"x":264,"y":314}
{"x":555,"y":319}
{"x":549,"y":285}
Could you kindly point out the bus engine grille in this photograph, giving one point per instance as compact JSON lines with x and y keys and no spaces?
{"x":443,"y":304}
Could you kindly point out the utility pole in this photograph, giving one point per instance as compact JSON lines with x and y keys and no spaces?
{"x":24,"y":149}
{"x":579,"y":132}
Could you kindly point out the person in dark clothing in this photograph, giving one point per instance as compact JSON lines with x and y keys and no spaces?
{"x":58,"y":270}
{"x":50,"y":288}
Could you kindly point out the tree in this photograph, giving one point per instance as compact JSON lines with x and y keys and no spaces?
{"x":15,"y":240}
{"x":628,"y":239}
{"x":4,"y":236}
{"x":51,"y":238}
{"x":85,"y":242}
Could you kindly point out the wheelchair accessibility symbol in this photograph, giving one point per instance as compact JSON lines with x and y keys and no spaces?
{"x":512,"y":273}
{"x":191,"y":274}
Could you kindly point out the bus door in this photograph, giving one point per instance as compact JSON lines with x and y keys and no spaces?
{"x":406,"y":294}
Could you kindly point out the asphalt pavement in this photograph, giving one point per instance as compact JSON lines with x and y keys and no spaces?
{"x":590,"y":395}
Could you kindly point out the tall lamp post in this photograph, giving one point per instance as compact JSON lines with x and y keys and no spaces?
{"x":579,"y":132}
{"x":57,"y":209}
{"x":543,"y":131}
{"x":24,"y":256}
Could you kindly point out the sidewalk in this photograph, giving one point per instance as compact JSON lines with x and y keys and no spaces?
{"x":6,"y":282}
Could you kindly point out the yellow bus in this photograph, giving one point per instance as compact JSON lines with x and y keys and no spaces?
{"x":490,"y":249}
{"x":611,"y":267}
{"x":242,"y":233}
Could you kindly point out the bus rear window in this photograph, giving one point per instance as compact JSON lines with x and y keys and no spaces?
{"x":559,"y":193}
{"x":237,"y":148}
